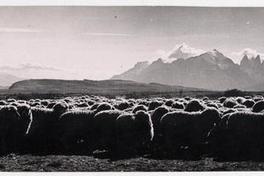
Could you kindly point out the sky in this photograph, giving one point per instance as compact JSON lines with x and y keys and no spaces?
{"x":99,"y":42}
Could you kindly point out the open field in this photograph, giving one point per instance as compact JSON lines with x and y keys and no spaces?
{"x":88,"y":163}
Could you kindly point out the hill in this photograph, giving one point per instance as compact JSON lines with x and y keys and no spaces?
{"x":104,"y":87}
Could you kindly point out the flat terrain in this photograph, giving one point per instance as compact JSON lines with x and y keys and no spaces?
{"x":88,"y":163}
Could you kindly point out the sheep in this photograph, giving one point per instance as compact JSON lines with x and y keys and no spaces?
{"x":76,"y":132}
{"x":11,"y":129}
{"x":11,"y":100}
{"x":82,"y":105}
{"x":154,"y":104}
{"x":94,"y":106}
{"x":228,"y":111}
{"x":25,"y":122}
{"x":144,"y":128}
{"x":124,"y":135}
{"x":50,"y":105}
{"x":230,"y":103}
{"x":14,"y":104}
{"x":35,"y":104}
{"x":90,"y":102}
{"x":123,"y":105}
{"x":128,"y":110}
{"x":239,"y":106}
{"x":143,"y":102}
{"x":2,"y":102}
{"x":168,"y":123}
{"x":214,"y":105}
{"x":205,"y":98}
{"x":187,"y":98}
{"x":37,"y":100}
{"x":217,"y":138}
{"x":222,"y":99}
{"x":181,"y":129}
{"x":155,"y":118}
{"x":177,"y":105}
{"x":169,"y":102}
{"x":194,"y":105}
{"x":257,"y":98}
{"x":25,"y":113}
{"x":44,"y":126}
{"x":248,"y":97}
{"x":139,"y":108}
{"x":208,"y":119}
{"x":104,"y":124}
{"x":81,"y":125}
{"x":40,"y":130}
{"x":258,"y":106}
{"x":104,"y":107}
{"x":21,"y":102}
{"x":240,"y":100}
{"x":248,"y":103}
{"x":44,"y":102}
{"x":134,"y":133}
{"x":243,"y":136}
{"x":182,"y":101}
{"x":60,"y":107}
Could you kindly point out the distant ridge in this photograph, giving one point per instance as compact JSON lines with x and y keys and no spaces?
{"x":118,"y":87}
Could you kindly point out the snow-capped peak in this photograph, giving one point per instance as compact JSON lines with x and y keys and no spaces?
{"x":214,"y":53}
{"x":183,"y":51}
{"x":251,"y":54}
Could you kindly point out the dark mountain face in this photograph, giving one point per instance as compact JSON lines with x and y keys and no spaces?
{"x":253,"y":67}
{"x":211,"y":70}
{"x":132,"y":73}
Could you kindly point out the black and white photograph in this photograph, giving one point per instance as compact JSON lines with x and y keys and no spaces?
{"x":131,"y":88}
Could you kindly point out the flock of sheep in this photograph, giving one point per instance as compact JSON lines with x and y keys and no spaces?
{"x":227,"y":128}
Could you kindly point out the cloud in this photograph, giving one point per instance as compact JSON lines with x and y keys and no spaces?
{"x":249,"y":52}
{"x":107,"y":34}
{"x":28,"y":67}
{"x":30,"y":71}
{"x":38,"y":67}
{"x":17,"y":30}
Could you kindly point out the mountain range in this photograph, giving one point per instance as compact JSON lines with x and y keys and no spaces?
{"x":182,"y":66}
{"x":209,"y":70}
{"x":7,"y":79}
{"x":12,"y":74}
